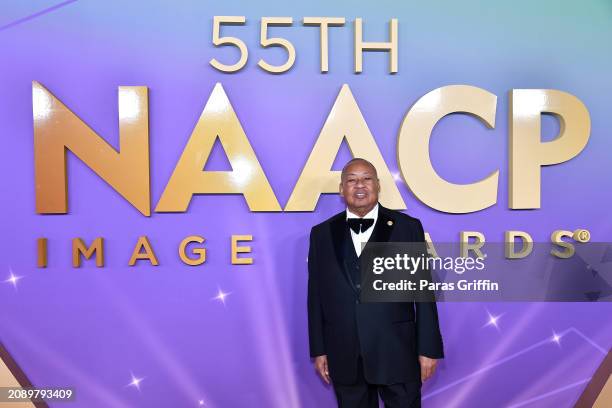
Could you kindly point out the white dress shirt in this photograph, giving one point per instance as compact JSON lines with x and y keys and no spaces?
{"x":363,"y":236}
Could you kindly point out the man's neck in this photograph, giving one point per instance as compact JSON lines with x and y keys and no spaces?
{"x":361,"y":212}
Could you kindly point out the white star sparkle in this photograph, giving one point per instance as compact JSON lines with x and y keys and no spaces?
{"x":493,"y":320}
{"x":201,"y":403}
{"x":221,"y":296}
{"x":135,"y":382}
{"x":13,"y":279}
{"x":556,"y":338}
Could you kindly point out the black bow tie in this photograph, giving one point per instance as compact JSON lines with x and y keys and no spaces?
{"x":360,"y":224}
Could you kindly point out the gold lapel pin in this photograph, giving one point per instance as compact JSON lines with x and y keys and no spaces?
{"x":389,"y":223}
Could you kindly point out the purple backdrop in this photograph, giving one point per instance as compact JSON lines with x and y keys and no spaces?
{"x":99,"y":329}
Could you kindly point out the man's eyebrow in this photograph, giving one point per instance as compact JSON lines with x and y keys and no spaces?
{"x":356,"y":174}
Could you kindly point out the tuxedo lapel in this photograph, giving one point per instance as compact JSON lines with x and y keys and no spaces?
{"x":338,"y":231}
{"x":343,"y":243}
{"x":383,"y":227}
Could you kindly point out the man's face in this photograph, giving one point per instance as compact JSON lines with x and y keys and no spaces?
{"x":360,"y":188}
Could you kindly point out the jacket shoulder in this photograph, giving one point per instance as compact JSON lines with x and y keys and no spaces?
{"x":402,"y":218}
{"x":325,"y":224}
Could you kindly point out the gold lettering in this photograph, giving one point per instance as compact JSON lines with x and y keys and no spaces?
{"x":324,"y":23}
{"x":527,"y":152}
{"x":510,"y":242}
{"x":41,"y":245}
{"x":201,"y":252}
{"x":279,"y":42}
{"x":390,"y":46}
{"x":241,"y":249}
{"x":57,"y":128}
{"x":465,"y":246}
{"x":247,"y":177}
{"x":413,"y":149}
{"x":79,"y":248}
{"x":557,"y":239}
{"x":345,"y":120}
{"x":431,"y":248}
{"x":148,"y":254}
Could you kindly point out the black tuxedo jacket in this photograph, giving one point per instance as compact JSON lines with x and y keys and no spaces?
{"x":389,"y":337}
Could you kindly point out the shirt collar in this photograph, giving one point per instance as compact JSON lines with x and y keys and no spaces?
{"x":372,"y":214}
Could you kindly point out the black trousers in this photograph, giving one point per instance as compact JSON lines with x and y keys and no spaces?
{"x":361,"y":394}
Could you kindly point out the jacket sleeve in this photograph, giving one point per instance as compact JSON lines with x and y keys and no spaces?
{"x":315,"y":313}
{"x":429,"y":339}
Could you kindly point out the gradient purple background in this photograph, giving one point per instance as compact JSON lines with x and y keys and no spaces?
{"x":92,"y":328}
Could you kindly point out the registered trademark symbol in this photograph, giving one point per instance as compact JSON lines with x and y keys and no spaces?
{"x":582,"y":235}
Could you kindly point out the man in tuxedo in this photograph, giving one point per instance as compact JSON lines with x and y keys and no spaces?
{"x":366,"y":349}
